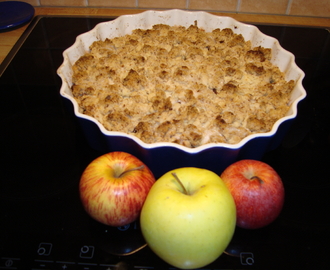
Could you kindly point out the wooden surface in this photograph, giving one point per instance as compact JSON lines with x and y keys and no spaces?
{"x":8,"y":39}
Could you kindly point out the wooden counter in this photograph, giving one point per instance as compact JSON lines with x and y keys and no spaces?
{"x":8,"y":39}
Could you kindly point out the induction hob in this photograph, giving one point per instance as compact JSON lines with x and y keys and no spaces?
{"x":43,"y":224}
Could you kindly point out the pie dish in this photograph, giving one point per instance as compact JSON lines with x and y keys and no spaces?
{"x":164,"y":156}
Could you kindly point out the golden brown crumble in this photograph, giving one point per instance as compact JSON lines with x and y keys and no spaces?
{"x":181,"y":85}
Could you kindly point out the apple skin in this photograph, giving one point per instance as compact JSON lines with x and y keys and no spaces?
{"x":258,"y":192}
{"x":188,"y":231}
{"x":113,"y":188}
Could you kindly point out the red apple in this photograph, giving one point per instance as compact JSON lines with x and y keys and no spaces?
{"x":114,"y":187}
{"x":257,"y":190}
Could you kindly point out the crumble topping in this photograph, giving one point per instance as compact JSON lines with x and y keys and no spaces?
{"x":181,"y":85}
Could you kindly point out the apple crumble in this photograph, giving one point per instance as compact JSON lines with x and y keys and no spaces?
{"x":181,"y":85}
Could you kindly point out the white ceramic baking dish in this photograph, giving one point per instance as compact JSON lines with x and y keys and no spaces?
{"x":163,"y":156}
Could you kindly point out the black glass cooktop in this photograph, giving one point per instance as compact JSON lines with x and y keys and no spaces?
{"x":43,"y":153}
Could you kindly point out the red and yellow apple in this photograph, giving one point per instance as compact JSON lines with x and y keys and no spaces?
{"x":257,"y":190}
{"x":189,"y":217}
{"x":114,"y":187}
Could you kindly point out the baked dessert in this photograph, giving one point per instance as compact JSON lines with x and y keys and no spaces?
{"x":181,"y":85}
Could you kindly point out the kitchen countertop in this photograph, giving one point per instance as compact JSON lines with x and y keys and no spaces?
{"x":8,"y":39}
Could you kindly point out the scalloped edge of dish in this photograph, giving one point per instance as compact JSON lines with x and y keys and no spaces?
{"x":123,"y":25}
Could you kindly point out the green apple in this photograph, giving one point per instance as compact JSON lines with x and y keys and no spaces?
{"x":188,"y":217}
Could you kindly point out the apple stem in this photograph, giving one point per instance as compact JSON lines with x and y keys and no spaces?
{"x":178,"y":180}
{"x":257,"y":178}
{"x":130,"y":170}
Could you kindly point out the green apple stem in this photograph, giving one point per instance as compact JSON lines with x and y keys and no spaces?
{"x":179,"y":181}
{"x":257,"y":178}
{"x":130,"y":170}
